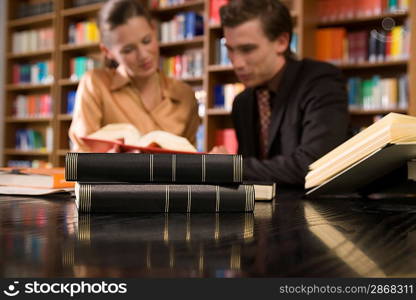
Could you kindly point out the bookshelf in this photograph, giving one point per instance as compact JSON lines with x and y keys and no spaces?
{"x":383,"y":18}
{"x":217,"y":118}
{"x":64,"y":13}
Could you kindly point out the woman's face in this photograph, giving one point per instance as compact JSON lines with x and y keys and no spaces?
{"x":134,"y":46}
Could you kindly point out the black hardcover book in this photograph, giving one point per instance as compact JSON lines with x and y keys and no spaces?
{"x":154,"y":168}
{"x":163,"y":198}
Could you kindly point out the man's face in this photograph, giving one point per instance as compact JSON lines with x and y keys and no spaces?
{"x":255,"y":58}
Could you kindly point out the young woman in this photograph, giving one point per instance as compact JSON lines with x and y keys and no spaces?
{"x":131,"y":89}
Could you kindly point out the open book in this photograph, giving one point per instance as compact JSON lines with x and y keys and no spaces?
{"x":128,"y":138}
{"x":376,"y":150}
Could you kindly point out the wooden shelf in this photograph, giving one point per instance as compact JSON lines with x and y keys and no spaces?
{"x":215,"y":26}
{"x":367,"y":65}
{"x":193,"y":80}
{"x":363,"y":19}
{"x":304,"y":14}
{"x":85,"y":9}
{"x":10,"y":151}
{"x":27,"y":119}
{"x":197,"y":41}
{"x":220,"y":68}
{"x":29,"y":54}
{"x":180,"y":7}
{"x":217,"y":112}
{"x":73,"y":47}
{"x":64,"y":117}
{"x":63,"y":152}
{"x":68,"y":82}
{"x":25,"y":86}
{"x":357,"y":111}
{"x":44,"y":18}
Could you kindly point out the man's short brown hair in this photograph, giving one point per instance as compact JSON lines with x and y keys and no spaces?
{"x":273,"y":15}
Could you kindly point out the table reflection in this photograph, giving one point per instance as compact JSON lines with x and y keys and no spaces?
{"x":289,"y":237}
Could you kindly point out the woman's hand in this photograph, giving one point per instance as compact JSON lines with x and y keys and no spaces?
{"x":218,"y":150}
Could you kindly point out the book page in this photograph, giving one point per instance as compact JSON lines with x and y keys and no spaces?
{"x":116,"y":131}
{"x":166,"y":140}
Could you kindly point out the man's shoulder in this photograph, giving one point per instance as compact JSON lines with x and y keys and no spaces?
{"x":313,"y":68}
{"x":242,"y":97}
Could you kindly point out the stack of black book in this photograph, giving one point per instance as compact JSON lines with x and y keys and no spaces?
{"x":139,"y":182}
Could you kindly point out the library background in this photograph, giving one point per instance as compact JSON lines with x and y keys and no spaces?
{"x":50,"y":44}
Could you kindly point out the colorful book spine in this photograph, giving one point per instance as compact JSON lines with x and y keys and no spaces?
{"x":336,"y":45}
{"x":227,"y":138}
{"x":221,"y":53}
{"x":36,"y":73}
{"x":160,"y":168}
{"x":183,"y":26}
{"x":78,"y":66}
{"x":25,"y":106}
{"x":378,"y":93}
{"x":333,"y":10}
{"x":163,"y":198}
{"x":30,"y":139}
{"x":214,"y":11}
{"x":32,"y":40}
{"x":224,"y":95}
{"x":83,"y":32}
{"x":185,"y":66}
{"x":70,"y":104}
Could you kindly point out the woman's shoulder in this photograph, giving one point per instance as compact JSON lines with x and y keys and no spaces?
{"x":99,"y":75}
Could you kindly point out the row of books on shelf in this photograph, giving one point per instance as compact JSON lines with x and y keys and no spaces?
{"x":332,"y":10}
{"x":79,"y":65}
{"x":83,"y":32}
{"x":221,"y":52}
{"x":155,"y":4}
{"x":22,"y":163}
{"x":224,"y":94}
{"x":188,"y":65}
{"x":30,"y":139}
{"x":77,"y":3}
{"x":339,"y":46}
{"x":37,"y":105}
{"x":378,"y":93}
{"x":26,"y":9}
{"x":183,"y":26}
{"x":35,"y":73}
{"x":33,"y":40}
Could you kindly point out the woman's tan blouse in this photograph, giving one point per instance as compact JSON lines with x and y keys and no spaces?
{"x":106,"y":96}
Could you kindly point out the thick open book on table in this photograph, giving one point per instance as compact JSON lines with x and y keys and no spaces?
{"x":128,"y":138}
{"x":369,"y":155}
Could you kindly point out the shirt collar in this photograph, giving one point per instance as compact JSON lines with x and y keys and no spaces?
{"x":273,"y":84}
{"x":120,"y":78}
{"x":169,"y":89}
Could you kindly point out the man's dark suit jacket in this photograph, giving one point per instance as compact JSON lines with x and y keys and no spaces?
{"x":309,"y":118}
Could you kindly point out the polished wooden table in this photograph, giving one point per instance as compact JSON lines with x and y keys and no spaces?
{"x":289,"y":237}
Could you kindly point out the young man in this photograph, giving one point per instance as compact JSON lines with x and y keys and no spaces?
{"x":291,"y":112}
